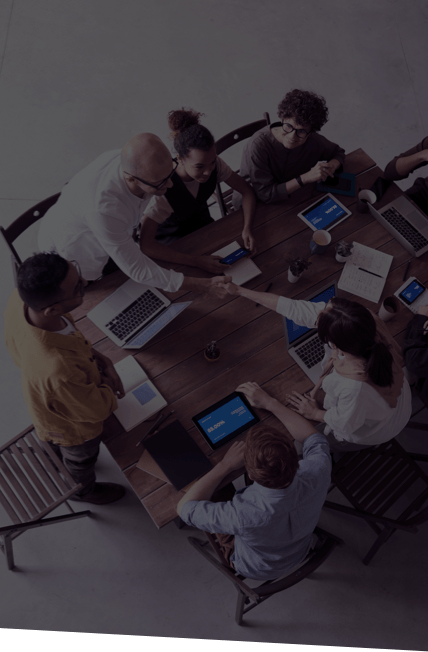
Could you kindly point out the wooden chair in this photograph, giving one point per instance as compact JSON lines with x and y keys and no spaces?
{"x":21,"y":224}
{"x":376,"y":481}
{"x":248,"y":597}
{"x":33,"y":482}
{"x":232,"y":138}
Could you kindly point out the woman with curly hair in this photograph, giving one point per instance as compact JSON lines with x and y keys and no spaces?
{"x":183,"y":209}
{"x":367,"y":400}
{"x":286,"y":155}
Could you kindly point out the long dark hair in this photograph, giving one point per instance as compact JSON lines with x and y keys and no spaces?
{"x":352,"y":328}
{"x":188,"y":133}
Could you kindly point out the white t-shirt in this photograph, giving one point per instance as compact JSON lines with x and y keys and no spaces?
{"x":356,"y":412}
{"x":160,"y":208}
{"x":94,"y":218}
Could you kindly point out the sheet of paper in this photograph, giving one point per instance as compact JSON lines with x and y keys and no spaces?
{"x":243,"y":270}
{"x":365,"y":272}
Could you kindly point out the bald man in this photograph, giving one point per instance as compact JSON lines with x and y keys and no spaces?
{"x":99,"y":209}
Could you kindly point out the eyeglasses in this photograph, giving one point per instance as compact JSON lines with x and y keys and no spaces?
{"x":79,"y":290}
{"x":300,"y":133}
{"x":162,"y":183}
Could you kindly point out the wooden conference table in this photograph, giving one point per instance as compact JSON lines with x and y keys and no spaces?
{"x":250,"y":337}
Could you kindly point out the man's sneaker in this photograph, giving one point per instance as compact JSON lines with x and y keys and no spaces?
{"x":102,"y":494}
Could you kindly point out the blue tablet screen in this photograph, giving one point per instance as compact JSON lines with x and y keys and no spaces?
{"x":412,"y":292}
{"x":324,"y":213}
{"x":226,"y":419}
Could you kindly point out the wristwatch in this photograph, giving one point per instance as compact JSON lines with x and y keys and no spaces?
{"x":299,"y":181}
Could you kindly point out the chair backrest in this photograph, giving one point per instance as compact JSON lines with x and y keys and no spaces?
{"x":23,"y":222}
{"x":234,"y":137}
{"x":33,"y":480}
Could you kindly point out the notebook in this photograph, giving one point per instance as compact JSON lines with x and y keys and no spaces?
{"x":141,"y":400}
{"x":303,"y":344}
{"x":365,"y":272}
{"x":178,"y":456}
{"x":243,"y":270}
{"x":405,"y":222}
{"x":134,"y":313}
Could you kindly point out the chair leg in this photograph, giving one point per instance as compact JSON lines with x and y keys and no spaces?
{"x":382,"y":538}
{"x":8,"y":551}
{"x":240,"y":604}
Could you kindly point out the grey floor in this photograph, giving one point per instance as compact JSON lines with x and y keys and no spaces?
{"x":79,"y":78}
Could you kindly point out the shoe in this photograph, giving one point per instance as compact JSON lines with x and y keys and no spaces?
{"x":102,"y":494}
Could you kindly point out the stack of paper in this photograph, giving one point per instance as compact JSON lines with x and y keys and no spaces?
{"x":365,"y":272}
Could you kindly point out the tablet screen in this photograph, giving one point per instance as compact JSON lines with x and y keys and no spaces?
{"x":225,"y":420}
{"x":324,"y":213}
{"x":412,"y":292}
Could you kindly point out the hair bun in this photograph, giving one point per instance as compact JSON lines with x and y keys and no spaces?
{"x":182,"y":119}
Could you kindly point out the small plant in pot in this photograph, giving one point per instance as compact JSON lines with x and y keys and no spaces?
{"x":296,"y":267}
{"x":343,"y":251}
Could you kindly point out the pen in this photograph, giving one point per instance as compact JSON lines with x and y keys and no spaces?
{"x":406,"y":270}
{"x":373,"y":274}
{"x":267,"y":290}
{"x":161,"y":418}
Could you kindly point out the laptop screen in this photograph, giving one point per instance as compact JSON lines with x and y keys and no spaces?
{"x":293,"y":330}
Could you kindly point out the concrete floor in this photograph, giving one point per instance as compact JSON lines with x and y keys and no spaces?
{"x":79,"y":78}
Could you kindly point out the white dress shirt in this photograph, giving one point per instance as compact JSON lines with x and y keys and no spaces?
{"x":356,"y":412}
{"x":94,"y":218}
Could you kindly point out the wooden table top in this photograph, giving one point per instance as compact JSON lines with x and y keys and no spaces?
{"x":250,"y":337}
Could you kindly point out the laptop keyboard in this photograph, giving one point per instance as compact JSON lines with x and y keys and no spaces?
{"x":404,"y":228}
{"x":135,"y":314}
{"x":311,"y":352}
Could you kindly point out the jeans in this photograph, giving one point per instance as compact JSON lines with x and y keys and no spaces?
{"x":80,"y":462}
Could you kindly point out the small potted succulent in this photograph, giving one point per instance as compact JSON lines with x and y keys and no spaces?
{"x":212,"y":352}
{"x":296,"y":267}
{"x":343,"y":251}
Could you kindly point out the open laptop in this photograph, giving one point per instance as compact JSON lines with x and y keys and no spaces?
{"x":303,"y":344}
{"x":134,"y":313}
{"x":405,"y":222}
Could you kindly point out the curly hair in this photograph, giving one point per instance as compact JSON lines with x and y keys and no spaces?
{"x":40,"y":278}
{"x":270,"y":457}
{"x":305,"y":107}
{"x":352,"y":328}
{"x":188,"y":133}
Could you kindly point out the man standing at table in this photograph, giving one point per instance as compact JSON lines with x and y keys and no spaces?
{"x":267,"y":528}
{"x":69,"y":387}
{"x":284,"y":156}
{"x":96,"y":216}
{"x":402,"y":165}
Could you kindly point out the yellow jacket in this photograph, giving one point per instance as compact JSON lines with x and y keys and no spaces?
{"x":60,"y":379}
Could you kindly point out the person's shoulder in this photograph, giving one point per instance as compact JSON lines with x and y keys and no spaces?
{"x":261,"y":138}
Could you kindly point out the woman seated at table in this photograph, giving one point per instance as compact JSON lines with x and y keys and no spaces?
{"x":286,"y":155}
{"x":183,"y":209}
{"x":367,"y":398}
{"x":402,"y":165}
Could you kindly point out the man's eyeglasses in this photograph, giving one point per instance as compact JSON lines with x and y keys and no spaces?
{"x":300,"y":133}
{"x":162,"y":183}
{"x":79,"y":290}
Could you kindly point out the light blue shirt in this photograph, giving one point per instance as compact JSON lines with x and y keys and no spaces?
{"x":272,"y":527}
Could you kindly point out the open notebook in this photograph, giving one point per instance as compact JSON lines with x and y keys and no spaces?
{"x":241,"y":271}
{"x":141,"y":400}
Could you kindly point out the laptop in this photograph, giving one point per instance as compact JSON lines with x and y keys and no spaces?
{"x":405,"y":222}
{"x":303,"y":344}
{"x":134,"y":313}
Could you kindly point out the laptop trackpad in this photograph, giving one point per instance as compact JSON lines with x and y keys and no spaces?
{"x":419,"y":221}
{"x":117,"y":301}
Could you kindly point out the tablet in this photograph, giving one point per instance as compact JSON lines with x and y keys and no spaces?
{"x":225,"y":420}
{"x":325,"y":213}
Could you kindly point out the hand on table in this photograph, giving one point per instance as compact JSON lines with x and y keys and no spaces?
{"x":304,"y":404}
{"x":110,"y":377}
{"x":210,"y":264}
{"x":317,"y":173}
{"x":248,"y":238}
{"x":234,"y":458}
{"x":256,"y":395}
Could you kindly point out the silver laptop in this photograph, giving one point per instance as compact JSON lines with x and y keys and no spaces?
{"x":134,"y":313}
{"x":405,"y":222}
{"x":303,"y":344}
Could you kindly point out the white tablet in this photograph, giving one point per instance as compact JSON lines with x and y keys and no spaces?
{"x":325,"y":213}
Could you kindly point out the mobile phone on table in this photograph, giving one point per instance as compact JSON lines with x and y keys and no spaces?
{"x":337,"y":183}
{"x":234,"y":256}
{"x":412,"y":292}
